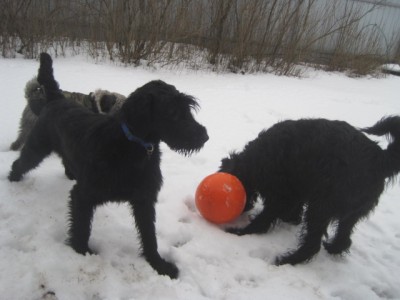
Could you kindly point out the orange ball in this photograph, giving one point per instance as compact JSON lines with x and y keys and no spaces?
{"x":220,"y":198}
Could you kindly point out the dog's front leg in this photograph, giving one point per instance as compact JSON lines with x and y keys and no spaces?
{"x":68,"y":171}
{"x":81,"y":215}
{"x":144,"y":213}
{"x":260,"y":224}
{"x":31,"y":156}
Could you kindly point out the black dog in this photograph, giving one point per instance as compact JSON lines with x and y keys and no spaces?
{"x":113,"y":158}
{"x":327,"y":170}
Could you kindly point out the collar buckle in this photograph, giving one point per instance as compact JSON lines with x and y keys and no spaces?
{"x":149,"y":147}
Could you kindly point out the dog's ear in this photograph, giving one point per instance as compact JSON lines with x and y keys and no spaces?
{"x":141,"y":106}
{"x":137,"y":113}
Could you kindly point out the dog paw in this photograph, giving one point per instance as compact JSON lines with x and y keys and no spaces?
{"x":87,"y":251}
{"x":83,"y":250}
{"x":167,"y":268}
{"x":280,"y":260}
{"x":335,"y":248}
{"x":237,"y":231}
{"x":296,"y":257}
{"x":14,"y":177}
{"x":286,"y":260}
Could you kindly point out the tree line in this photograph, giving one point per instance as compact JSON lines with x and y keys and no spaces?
{"x":226,"y":35}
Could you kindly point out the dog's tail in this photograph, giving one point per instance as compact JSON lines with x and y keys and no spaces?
{"x":46,"y":79}
{"x":389,"y":126}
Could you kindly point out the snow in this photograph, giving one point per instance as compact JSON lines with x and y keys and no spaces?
{"x":391,"y":67}
{"x":36,"y":264}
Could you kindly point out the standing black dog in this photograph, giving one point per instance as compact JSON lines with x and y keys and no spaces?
{"x":112,"y":158}
{"x":327,"y":170}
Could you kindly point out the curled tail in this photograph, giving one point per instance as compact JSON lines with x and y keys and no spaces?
{"x":46,"y":79}
{"x":389,"y":126}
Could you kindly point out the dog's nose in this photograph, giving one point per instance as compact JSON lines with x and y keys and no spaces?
{"x":205,"y":136}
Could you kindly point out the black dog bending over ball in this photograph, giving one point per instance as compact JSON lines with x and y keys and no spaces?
{"x":113,"y":158}
{"x":315,"y":171}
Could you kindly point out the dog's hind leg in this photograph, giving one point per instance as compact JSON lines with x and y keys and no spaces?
{"x":81,"y":215}
{"x":341,"y":242}
{"x":314,"y":228}
{"x":144,"y":212}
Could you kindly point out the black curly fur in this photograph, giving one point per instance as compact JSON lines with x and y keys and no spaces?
{"x":324,"y":171}
{"x":46,"y":76}
{"x":106,"y":165}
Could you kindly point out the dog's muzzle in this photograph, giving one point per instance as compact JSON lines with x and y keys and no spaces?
{"x":204,"y":138}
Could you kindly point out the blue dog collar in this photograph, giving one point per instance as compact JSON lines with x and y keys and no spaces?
{"x":148,"y":146}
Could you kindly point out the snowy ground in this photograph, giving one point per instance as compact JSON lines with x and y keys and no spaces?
{"x":35,"y":263}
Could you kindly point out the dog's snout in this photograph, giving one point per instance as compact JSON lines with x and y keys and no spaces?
{"x":205,"y":136}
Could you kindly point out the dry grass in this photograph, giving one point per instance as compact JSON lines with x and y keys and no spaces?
{"x":230,"y":35}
